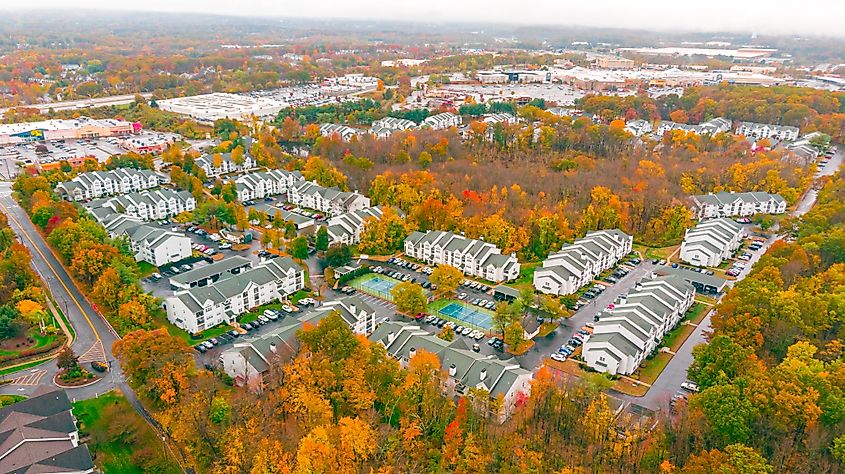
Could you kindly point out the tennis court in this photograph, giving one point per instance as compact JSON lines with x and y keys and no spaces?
{"x":379,"y":284}
{"x":468,"y":315}
{"x":375,"y":285}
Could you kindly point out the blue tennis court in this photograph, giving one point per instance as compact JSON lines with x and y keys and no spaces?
{"x":379,"y":285}
{"x":468,"y":315}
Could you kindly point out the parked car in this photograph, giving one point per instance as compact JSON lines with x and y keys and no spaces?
{"x":690,"y":386}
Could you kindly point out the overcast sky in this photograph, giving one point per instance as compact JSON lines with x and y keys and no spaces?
{"x":816,"y":17}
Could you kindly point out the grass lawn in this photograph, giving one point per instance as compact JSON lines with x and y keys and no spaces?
{"x":631,"y":388}
{"x":660,"y":253}
{"x":651,"y":368}
{"x":119,"y":438}
{"x":676,"y":337}
{"x":65,"y":319}
{"x":6,"y":400}
{"x":546,"y":328}
{"x":146,"y":269}
{"x":526,"y":273}
{"x":697,"y":312}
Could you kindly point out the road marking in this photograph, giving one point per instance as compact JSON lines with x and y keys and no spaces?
{"x":26,"y":234}
{"x":95,"y":353}
{"x":31,"y":378}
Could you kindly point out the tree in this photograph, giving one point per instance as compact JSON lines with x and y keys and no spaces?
{"x":158,"y":364}
{"x":679,"y":116}
{"x":322,"y":240}
{"x":321,"y":171}
{"x":386,"y":235}
{"x":409,"y":298}
{"x":298,"y":248}
{"x":338,"y":255}
{"x":735,"y":459}
{"x":67,"y":360}
{"x":506,"y":314}
{"x":447,"y":278}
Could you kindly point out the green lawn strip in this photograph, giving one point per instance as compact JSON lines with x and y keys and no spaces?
{"x":6,"y":400}
{"x":526,"y":273}
{"x":65,"y":319}
{"x":676,"y":337}
{"x":697,"y":313}
{"x":651,"y":368}
{"x":146,"y":269}
{"x":28,"y":365}
{"x":294,"y":298}
{"x":119,"y":433}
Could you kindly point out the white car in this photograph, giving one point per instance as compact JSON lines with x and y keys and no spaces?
{"x":690,"y":386}
{"x":287,"y":309}
{"x":558,"y":357}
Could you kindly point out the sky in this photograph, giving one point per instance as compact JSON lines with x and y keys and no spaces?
{"x":808,"y":17}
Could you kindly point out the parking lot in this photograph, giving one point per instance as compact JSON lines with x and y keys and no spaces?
{"x":54,"y":151}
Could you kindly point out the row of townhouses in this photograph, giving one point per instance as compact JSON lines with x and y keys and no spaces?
{"x":442,"y":121}
{"x":150,"y":244}
{"x":766,"y":130}
{"x":227,"y":164}
{"x":578,"y":263}
{"x":332,"y":201}
{"x":729,"y":204}
{"x":710,"y":127}
{"x":147,"y":205}
{"x":711,"y":242}
{"x":462,"y":368}
{"x":471,"y":256}
{"x":346,"y":228}
{"x":248,"y":361}
{"x":626,"y":334}
{"x":804,"y":147}
{"x":203,"y":307}
{"x":344,"y":132}
{"x":261,"y":184}
{"x":96,"y":184}
{"x":387,"y":126}
{"x":638,"y":127}
{"x":208,"y":274}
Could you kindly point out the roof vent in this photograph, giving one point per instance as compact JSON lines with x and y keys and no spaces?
{"x":453,"y":369}
{"x":483,"y":374}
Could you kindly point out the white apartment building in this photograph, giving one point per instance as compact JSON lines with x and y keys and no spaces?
{"x":152,"y":205}
{"x":95,"y":184}
{"x":710,"y":127}
{"x":201,"y":308}
{"x":332,"y":201}
{"x":578,"y":263}
{"x":345,"y":133}
{"x":157,"y":246}
{"x":227,"y":164}
{"x":502,"y":117}
{"x":387,"y":126}
{"x":346,"y":228}
{"x":625,"y":335}
{"x":471,"y":256}
{"x":261,"y":184}
{"x":638,"y":128}
{"x":711,"y":242}
{"x":729,"y":204}
{"x":765,"y":130}
{"x":442,"y":121}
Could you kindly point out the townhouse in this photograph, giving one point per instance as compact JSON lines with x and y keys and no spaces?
{"x":710,"y":127}
{"x":95,"y":184}
{"x":346,"y":228}
{"x":226,"y":164}
{"x":462,"y":368}
{"x":39,"y":435}
{"x":626,"y":334}
{"x":261,"y":184}
{"x":578,"y":263}
{"x":150,"y":244}
{"x":711,"y":242}
{"x":151,"y":205}
{"x":503,"y":117}
{"x":203,"y":307}
{"x":442,"y":121}
{"x":766,"y":130}
{"x":345,"y":133}
{"x":728,"y":204}
{"x":387,"y":126}
{"x":471,"y":256}
{"x":638,"y":128}
{"x":332,"y":201}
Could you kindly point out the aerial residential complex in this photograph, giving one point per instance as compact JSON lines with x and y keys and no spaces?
{"x":261,"y":184}
{"x":79,"y":128}
{"x":710,"y":127}
{"x":710,"y":242}
{"x":765,"y":130}
{"x":728,"y":204}
{"x":626,"y":334}
{"x":96,"y":184}
{"x":471,"y":256}
{"x":578,"y":263}
{"x":332,"y":201}
{"x":464,"y":369}
{"x":147,"y":205}
{"x":227,"y":164}
{"x":203,"y":307}
{"x":346,"y":228}
{"x":204,"y":276}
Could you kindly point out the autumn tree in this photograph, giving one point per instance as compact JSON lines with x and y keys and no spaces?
{"x":447,"y":278}
{"x":158,"y":364}
{"x":409,"y":298}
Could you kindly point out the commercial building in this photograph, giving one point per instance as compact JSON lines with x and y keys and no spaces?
{"x":471,"y":256}
{"x":148,"y":143}
{"x":610,"y":62}
{"x":626,"y":334}
{"x":442,"y":121}
{"x":332,"y":201}
{"x":710,"y":127}
{"x":765,"y":130}
{"x":346,"y":228}
{"x":204,"y":307}
{"x":149,"y":205}
{"x":224,"y":165}
{"x":710,"y":242}
{"x":261,"y":184}
{"x":207,"y":108}
{"x":39,"y":435}
{"x":96,"y":184}
{"x":75,"y":129}
{"x":208,"y":274}
{"x":463,"y":368}
{"x":729,"y":204}
{"x":578,"y":263}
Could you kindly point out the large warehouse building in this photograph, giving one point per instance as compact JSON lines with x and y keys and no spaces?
{"x":207,"y":108}
{"x":80,"y":128}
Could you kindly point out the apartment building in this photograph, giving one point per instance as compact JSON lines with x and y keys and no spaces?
{"x":203,"y":307}
{"x":226,"y":165}
{"x":345,"y":133}
{"x":387,"y":126}
{"x":711,"y":242}
{"x":346,"y":228}
{"x":261,"y":184}
{"x":332,"y":201}
{"x":578,"y":263}
{"x":471,"y":256}
{"x":710,"y":127}
{"x":729,"y":204}
{"x":442,"y":121}
{"x":766,"y":130}
{"x":626,"y":334}
{"x":151,"y":205}
{"x":96,"y":184}
{"x":638,"y":127}
{"x":150,"y":244}
{"x":463,"y":369}
{"x":504,"y":117}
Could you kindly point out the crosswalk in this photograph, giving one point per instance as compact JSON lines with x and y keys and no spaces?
{"x":95,"y":353}
{"x":33,"y":377}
